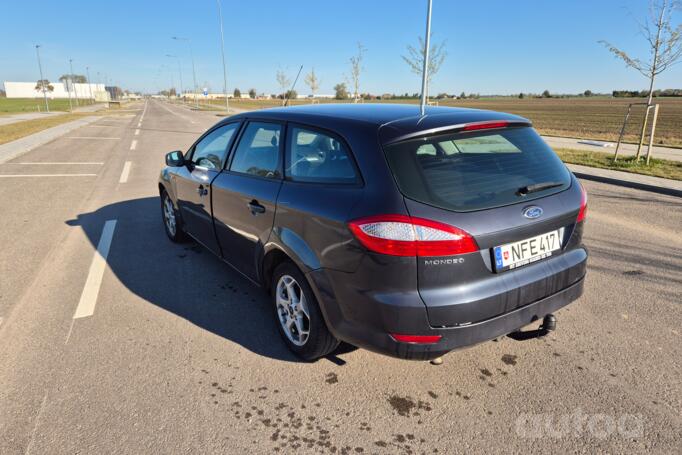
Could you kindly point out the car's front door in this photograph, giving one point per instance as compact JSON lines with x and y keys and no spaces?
{"x":245,"y":195}
{"x":193,"y":183}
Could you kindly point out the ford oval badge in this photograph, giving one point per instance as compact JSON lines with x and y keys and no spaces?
{"x":532,"y":212}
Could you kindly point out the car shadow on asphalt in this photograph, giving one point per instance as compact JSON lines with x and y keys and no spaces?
{"x":187,"y":279}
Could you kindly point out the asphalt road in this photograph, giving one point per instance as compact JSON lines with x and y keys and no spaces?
{"x":181,"y":355}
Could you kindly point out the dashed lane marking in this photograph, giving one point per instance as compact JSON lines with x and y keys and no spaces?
{"x":133,"y":145}
{"x":125,"y":172}
{"x":86,"y":305}
{"x":137,"y":132}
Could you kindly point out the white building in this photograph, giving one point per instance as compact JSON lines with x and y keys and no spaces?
{"x":319,"y":95}
{"x":80,"y":91}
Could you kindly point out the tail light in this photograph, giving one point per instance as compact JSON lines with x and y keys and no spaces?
{"x":402,"y":235}
{"x":583,"y":205}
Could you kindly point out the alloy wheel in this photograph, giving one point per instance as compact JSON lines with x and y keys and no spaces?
{"x":292,"y":310}
{"x":169,"y":215}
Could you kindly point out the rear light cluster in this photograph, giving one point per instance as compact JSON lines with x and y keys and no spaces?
{"x":416,"y":339}
{"x":402,"y":235}
{"x":583,"y":205}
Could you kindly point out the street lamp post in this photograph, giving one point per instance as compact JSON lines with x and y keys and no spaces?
{"x":425,"y":69}
{"x":68,"y":91}
{"x":194,"y":73}
{"x":179,"y":70}
{"x":75,"y":92}
{"x":87,"y":72}
{"x":222,"y":47}
{"x":42,"y":80}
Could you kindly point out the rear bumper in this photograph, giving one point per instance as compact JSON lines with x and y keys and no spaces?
{"x":365,"y":319}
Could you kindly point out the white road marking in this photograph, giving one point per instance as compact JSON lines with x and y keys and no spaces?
{"x":92,"y":138}
{"x":144,"y":111}
{"x":35,"y":425}
{"x":86,"y":305}
{"x":68,"y":335}
{"x":133,"y":145}
{"x":45,"y":175}
{"x":137,"y":132}
{"x":176,"y":113}
{"x":61,"y":162}
{"x":124,"y":174}
{"x":139,"y":122}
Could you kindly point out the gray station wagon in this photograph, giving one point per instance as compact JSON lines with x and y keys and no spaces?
{"x":404,"y":234}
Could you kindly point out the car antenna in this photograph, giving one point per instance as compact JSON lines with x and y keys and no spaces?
{"x":425,"y":68}
{"x":286,"y":95}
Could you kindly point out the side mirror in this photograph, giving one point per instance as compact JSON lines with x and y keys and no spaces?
{"x":175,"y":159}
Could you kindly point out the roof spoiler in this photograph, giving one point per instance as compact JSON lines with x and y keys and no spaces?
{"x":461,"y":128}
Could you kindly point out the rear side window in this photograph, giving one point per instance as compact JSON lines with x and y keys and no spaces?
{"x":478,"y":170}
{"x":258,"y":150}
{"x":313,"y":156}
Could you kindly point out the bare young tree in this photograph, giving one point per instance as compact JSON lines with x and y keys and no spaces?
{"x":415,"y":59}
{"x":356,"y":69}
{"x":284,"y":82}
{"x":313,"y":82}
{"x":665,"y":46}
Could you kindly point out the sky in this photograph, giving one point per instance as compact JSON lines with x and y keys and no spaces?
{"x":493,"y":46}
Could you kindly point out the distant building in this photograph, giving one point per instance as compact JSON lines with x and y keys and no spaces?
{"x":80,"y":91}
{"x":201,"y":96}
{"x":316,"y":96}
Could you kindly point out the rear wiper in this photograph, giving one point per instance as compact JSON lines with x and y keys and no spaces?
{"x":535,"y":187}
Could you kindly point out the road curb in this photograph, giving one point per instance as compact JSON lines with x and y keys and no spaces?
{"x":18,"y":147}
{"x":629,"y":184}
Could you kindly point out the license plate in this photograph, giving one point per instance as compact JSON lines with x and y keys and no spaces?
{"x":524,"y":252}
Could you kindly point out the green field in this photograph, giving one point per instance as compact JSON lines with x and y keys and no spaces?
{"x":19,"y":105}
{"x":584,"y":118}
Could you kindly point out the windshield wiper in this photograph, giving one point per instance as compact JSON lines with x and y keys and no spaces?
{"x":535,"y":187}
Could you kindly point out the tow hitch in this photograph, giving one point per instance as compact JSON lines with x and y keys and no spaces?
{"x":548,"y":325}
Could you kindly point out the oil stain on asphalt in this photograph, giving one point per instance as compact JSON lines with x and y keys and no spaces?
{"x":509,"y":359}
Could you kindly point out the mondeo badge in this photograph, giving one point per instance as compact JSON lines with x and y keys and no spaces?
{"x":532,"y":212}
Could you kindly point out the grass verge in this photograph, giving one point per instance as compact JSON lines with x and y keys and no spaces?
{"x":21,"y":105}
{"x":17,"y":130}
{"x":657,"y":168}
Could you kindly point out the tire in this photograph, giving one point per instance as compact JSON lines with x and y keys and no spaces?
{"x":290,"y":316}
{"x":172,"y":223}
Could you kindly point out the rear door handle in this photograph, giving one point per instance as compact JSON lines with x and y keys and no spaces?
{"x":255,"y":207}
{"x":202,"y":190}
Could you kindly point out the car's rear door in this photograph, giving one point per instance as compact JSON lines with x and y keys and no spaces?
{"x":501,"y":186}
{"x":205,"y":159}
{"x":245,"y":195}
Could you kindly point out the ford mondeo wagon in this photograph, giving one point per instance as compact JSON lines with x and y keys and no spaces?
{"x":404,"y":234}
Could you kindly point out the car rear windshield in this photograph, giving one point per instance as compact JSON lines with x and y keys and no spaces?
{"x":477,"y":170}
